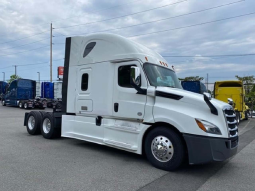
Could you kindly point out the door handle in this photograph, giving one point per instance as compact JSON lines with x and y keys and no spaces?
{"x":116,"y":107}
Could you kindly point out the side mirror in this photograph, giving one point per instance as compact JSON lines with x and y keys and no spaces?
{"x":135,"y":75}
{"x":135,"y":80}
{"x":230,"y":101}
{"x":208,"y":95}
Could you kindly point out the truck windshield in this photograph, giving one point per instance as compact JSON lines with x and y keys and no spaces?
{"x":160,"y":76}
{"x":25,"y":83}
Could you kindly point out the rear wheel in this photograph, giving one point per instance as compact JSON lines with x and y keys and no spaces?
{"x":42,"y":113}
{"x":48,"y":130}
{"x":25,"y":105}
{"x":164,"y":148}
{"x":237,"y":117}
{"x":20,"y":105}
{"x":3,"y":103}
{"x":34,"y":120}
{"x":246,"y":115}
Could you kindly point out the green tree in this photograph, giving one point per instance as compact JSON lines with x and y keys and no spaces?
{"x":192,"y":78}
{"x":13,"y":77}
{"x":248,"y":82}
{"x":251,"y":98}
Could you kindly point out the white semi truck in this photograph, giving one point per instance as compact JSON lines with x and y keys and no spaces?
{"x":121,"y":94}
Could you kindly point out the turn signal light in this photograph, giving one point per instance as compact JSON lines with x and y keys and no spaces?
{"x":200,"y":125}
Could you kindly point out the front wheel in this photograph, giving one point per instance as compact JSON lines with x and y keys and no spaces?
{"x":3,"y":103}
{"x":164,"y":148}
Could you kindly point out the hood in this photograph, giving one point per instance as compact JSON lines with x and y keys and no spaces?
{"x":192,"y":98}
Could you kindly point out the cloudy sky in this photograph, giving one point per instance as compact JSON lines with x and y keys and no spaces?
{"x":191,"y":28}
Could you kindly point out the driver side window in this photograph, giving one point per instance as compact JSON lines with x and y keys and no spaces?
{"x":124,"y":76}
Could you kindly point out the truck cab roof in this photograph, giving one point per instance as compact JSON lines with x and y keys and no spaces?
{"x":102,"y":47}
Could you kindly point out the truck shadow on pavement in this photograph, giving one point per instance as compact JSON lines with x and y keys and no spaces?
{"x":132,"y":157}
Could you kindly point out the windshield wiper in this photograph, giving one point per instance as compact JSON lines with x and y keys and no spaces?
{"x":169,"y":86}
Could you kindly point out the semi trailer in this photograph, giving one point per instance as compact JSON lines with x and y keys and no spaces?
{"x":194,"y":86}
{"x":53,"y":92}
{"x":22,"y":93}
{"x":121,"y":94}
{"x":233,"y":93}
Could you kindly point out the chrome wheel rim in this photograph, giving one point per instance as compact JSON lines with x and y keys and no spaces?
{"x":46,"y":125}
{"x":25,"y":105}
{"x":3,"y":102}
{"x":31,"y":122}
{"x":20,"y":105}
{"x":162,"y":148}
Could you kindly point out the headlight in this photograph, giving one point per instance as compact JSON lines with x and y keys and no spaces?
{"x":208,"y":127}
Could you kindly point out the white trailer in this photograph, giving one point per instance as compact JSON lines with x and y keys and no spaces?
{"x":121,"y":94}
{"x":57,"y":90}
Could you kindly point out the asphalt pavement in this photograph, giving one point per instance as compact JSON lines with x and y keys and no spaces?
{"x":34,"y":163}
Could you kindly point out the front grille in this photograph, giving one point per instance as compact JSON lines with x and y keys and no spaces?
{"x":230,"y":116}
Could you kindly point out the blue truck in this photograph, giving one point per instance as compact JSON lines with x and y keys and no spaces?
{"x":2,"y":88}
{"x":194,"y":86}
{"x":50,"y":91}
{"x":22,"y":93}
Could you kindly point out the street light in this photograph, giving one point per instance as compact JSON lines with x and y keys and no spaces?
{"x":3,"y":76}
{"x":39,"y":76}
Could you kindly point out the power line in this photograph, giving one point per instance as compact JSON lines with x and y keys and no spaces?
{"x":39,"y":63}
{"x":99,"y":10}
{"x":123,"y":15}
{"x":24,"y":37}
{"x":24,"y":51}
{"x":33,"y":64}
{"x":207,"y":9}
{"x":193,"y":25}
{"x":24,"y":44}
{"x":226,"y":55}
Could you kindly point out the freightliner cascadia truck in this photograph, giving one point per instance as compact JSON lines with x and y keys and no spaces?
{"x":121,"y":94}
{"x":232,"y":92}
{"x":21,"y":93}
{"x":2,"y":88}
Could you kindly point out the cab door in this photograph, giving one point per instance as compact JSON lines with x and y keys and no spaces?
{"x":127,"y":104}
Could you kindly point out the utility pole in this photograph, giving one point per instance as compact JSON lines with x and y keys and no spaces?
{"x":3,"y":76}
{"x":50,"y":52}
{"x":207,"y":80}
{"x":38,"y":76}
{"x":15,"y":69}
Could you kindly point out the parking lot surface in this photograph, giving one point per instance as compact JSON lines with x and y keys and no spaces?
{"x":34,"y":163}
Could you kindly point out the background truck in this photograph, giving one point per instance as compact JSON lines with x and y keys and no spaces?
{"x":194,"y":86}
{"x":22,"y":93}
{"x":52,"y":91}
{"x":232,"y":90}
{"x":2,"y":88}
{"x":121,"y":94}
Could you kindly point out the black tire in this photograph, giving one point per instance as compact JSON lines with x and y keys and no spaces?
{"x":21,"y":105}
{"x":246,"y":115}
{"x":48,"y":130}
{"x":25,"y":105}
{"x":177,"y":154}
{"x":237,"y":117}
{"x":42,"y":113}
{"x":3,"y":103}
{"x":34,"y":129}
